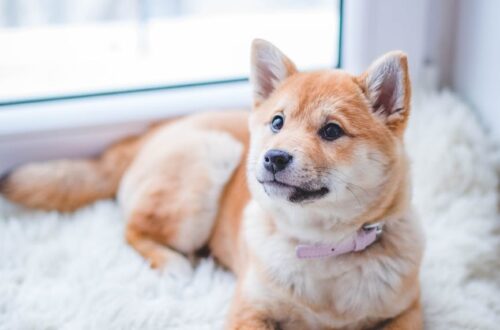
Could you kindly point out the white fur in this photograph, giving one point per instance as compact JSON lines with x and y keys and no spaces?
{"x":75,"y":271}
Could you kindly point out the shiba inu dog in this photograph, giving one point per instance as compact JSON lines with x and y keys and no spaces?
{"x":306,"y":198}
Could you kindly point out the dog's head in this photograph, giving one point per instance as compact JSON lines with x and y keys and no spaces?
{"x":326,"y":137}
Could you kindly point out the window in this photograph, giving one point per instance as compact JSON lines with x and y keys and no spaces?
{"x":72,"y":48}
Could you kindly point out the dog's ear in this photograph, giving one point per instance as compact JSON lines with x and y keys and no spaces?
{"x":269,"y":67}
{"x":387,"y":86}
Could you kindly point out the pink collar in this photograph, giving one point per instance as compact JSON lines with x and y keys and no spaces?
{"x":364,"y":237}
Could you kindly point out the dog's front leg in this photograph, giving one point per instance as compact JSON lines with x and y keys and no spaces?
{"x":246,"y":314}
{"x":251,"y":323}
{"x":410,"y":319}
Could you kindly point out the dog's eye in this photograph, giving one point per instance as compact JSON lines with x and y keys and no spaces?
{"x":277,"y":123}
{"x":331,"y":132}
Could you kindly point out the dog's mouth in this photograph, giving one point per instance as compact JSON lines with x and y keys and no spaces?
{"x":297,"y":194}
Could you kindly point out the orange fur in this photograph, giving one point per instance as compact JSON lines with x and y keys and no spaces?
{"x":410,"y":319}
{"x":191,"y":182}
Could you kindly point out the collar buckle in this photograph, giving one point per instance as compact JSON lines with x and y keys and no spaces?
{"x":377,"y":226}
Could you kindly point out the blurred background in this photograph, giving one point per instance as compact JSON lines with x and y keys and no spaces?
{"x":75,"y":75}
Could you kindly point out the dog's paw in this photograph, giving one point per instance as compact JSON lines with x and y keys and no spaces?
{"x":172,"y":264}
{"x":179,"y":267}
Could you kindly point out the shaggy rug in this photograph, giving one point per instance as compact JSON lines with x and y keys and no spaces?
{"x":74,"y":271}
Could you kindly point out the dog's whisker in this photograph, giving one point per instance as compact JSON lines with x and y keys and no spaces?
{"x":355,"y":196}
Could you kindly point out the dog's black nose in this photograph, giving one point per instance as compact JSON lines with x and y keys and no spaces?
{"x":276,"y":160}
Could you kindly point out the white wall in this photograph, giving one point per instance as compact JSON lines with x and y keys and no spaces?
{"x":372,"y":28}
{"x":476,"y":67}
{"x":441,"y":35}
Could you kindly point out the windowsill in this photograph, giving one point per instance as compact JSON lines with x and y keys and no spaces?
{"x":144,"y":107}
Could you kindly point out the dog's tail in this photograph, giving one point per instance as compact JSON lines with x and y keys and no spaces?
{"x":65,"y":185}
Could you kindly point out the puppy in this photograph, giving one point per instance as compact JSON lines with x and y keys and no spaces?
{"x":306,"y":198}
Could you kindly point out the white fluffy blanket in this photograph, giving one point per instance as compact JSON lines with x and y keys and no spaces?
{"x":76,"y":272}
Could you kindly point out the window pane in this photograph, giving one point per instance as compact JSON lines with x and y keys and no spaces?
{"x":56,"y":48}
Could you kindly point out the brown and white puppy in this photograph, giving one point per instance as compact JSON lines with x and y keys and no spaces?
{"x":323,"y":156}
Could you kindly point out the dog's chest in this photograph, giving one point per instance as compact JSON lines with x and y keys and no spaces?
{"x":311,"y":299}
{"x":334,"y":292}
{"x":342,"y":291}
{"x":354,"y":290}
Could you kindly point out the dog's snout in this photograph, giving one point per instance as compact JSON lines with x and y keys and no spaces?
{"x":276,"y":160}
